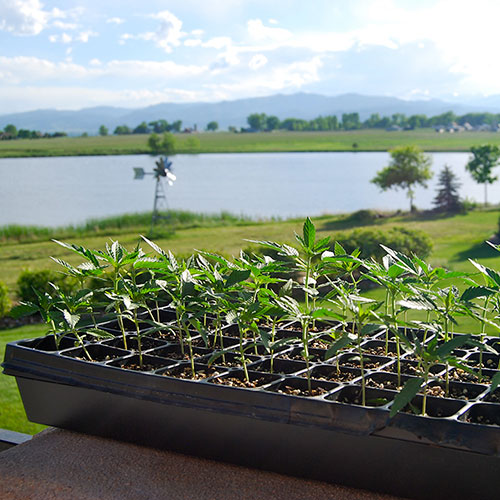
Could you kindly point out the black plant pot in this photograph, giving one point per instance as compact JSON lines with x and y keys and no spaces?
{"x":273,"y":424}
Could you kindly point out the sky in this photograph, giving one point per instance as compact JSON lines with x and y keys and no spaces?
{"x":75,"y":54}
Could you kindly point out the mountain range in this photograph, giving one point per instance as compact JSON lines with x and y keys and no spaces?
{"x":234,"y":113}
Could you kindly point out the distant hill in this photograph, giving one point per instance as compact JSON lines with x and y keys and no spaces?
{"x":226,"y":113}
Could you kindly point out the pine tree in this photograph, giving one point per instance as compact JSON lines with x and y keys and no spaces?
{"x":447,"y":198}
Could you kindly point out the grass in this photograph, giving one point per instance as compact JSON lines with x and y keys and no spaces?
{"x":12,"y":415}
{"x":455,"y":239}
{"x":226,"y":142}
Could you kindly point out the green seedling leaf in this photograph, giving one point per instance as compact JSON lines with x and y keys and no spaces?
{"x":22,"y":310}
{"x":495,"y":382}
{"x":237,"y":276}
{"x":309,"y":234}
{"x":407,"y":393}
{"x":339,"y":249}
{"x":446,"y":349}
{"x":321,"y":245}
{"x":286,"y":289}
{"x":475,"y":292}
{"x":266,"y":339}
{"x":338,"y":345}
{"x":154,"y":246}
{"x":371,"y":328}
{"x":97,"y":332}
{"x":377,"y":401}
{"x":71,"y":319}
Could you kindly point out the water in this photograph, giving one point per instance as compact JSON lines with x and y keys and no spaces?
{"x":70,"y":190}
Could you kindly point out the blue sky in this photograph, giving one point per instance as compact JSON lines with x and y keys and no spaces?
{"x":73,"y":54}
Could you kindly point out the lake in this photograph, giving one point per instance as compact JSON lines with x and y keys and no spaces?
{"x":70,"y":190}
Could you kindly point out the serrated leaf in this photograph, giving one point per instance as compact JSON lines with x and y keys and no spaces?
{"x":309,"y":234}
{"x":71,"y":319}
{"x":22,"y":310}
{"x":475,"y":292}
{"x":339,"y":249}
{"x":495,"y":382}
{"x":446,"y":349}
{"x":265,"y":336}
{"x":237,"y":276}
{"x":407,"y":393}
{"x":337,"y":346}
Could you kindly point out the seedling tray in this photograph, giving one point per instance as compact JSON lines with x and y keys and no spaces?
{"x":454,"y":452}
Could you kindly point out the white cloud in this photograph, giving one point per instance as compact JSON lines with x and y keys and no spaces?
{"x":218,"y":42}
{"x":279,"y":78}
{"x":24,"y":70}
{"x":197,"y":32}
{"x":115,"y":20}
{"x":85,"y":35}
{"x":23,"y":17}
{"x":28,"y":17}
{"x":272,"y":21}
{"x":64,"y":26}
{"x":259,"y":32}
{"x":257,"y":61}
{"x":167,"y":35}
{"x":192,"y":42}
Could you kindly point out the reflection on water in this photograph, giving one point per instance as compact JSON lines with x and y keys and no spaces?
{"x":70,"y":190}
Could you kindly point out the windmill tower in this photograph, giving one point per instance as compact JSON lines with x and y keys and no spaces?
{"x":162,"y":170}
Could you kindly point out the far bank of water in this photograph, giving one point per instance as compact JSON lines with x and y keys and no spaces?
{"x":69,"y":190}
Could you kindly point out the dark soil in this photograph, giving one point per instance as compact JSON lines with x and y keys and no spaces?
{"x":455,"y":392}
{"x":483,"y":419}
{"x":350,"y":399}
{"x":368,"y":364}
{"x":334,"y":376}
{"x":146,"y":367}
{"x":186,"y":373}
{"x":493,"y":397}
{"x":237,"y":382}
{"x":384,"y":384}
{"x":164,"y":335}
{"x":295,"y":391}
{"x":378,"y":351}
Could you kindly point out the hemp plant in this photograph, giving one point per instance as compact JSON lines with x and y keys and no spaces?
{"x":428,"y":355}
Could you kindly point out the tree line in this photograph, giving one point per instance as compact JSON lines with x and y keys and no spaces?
{"x":11,"y":132}
{"x":352,"y":121}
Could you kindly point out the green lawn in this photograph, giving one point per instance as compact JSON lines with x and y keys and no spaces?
{"x":455,"y":240}
{"x":226,"y":142}
{"x":12,"y":416}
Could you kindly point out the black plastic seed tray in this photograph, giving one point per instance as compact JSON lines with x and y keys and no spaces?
{"x":272,"y":423}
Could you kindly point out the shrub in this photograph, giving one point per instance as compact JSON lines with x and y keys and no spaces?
{"x":40,"y":281}
{"x":403,"y":240}
{"x":363,"y":217}
{"x":4,"y":300}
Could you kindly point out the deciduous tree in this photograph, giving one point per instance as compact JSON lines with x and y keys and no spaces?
{"x":484,"y":159}
{"x":409,"y":166}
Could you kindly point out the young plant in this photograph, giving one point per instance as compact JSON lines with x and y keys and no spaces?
{"x":428,"y":355}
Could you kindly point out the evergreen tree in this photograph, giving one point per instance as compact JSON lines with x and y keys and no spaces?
{"x":447,"y":198}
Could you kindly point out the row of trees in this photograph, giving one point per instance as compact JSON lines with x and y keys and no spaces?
{"x":410,"y":167}
{"x":11,"y":132}
{"x":352,"y":121}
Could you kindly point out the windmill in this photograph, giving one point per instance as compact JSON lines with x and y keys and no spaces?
{"x":163,"y":170}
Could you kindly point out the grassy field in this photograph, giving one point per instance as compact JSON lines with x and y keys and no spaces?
{"x":455,"y":240}
{"x":226,"y":142}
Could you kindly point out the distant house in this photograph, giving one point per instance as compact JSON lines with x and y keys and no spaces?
{"x":394,"y":128}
